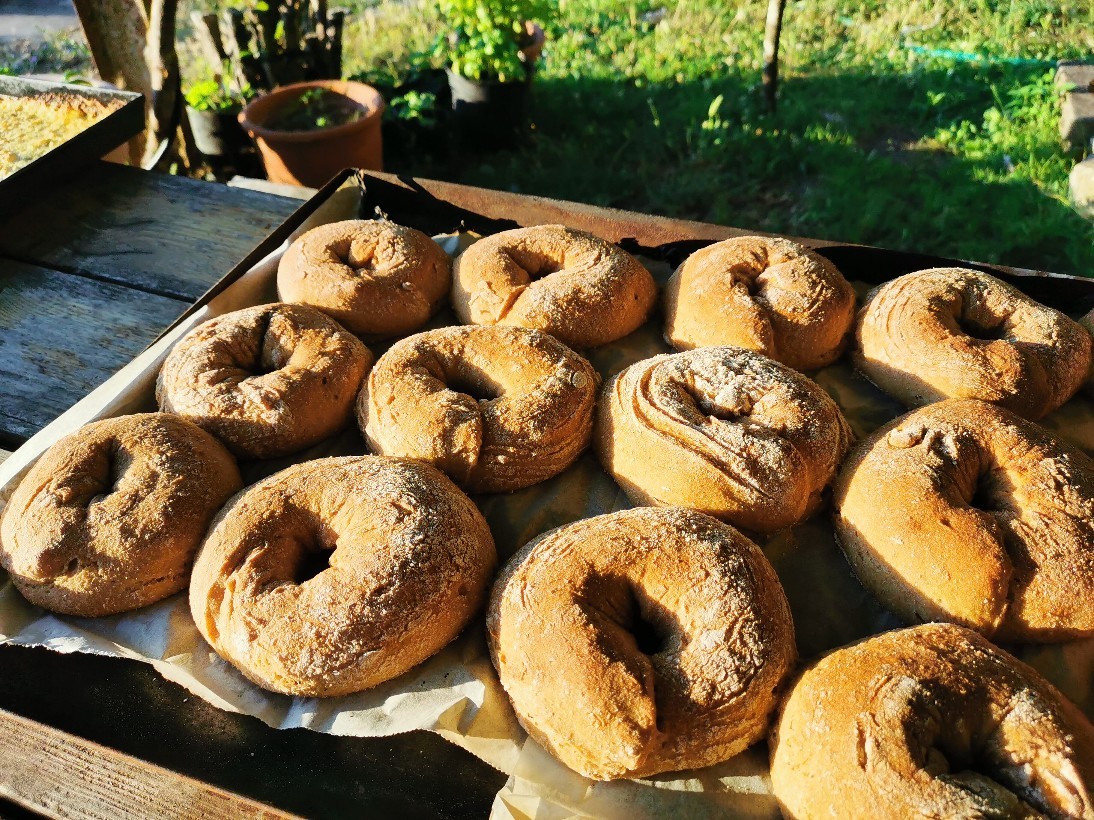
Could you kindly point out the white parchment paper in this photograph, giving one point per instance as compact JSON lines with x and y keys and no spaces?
{"x":456,"y":693}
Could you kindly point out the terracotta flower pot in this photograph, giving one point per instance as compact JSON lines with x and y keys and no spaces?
{"x":313,"y":157}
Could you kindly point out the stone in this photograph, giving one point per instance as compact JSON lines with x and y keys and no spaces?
{"x":1079,"y":76}
{"x":1081,"y":185}
{"x":1077,"y":120}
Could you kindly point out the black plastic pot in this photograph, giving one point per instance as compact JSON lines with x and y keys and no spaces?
{"x":491,"y":115}
{"x":217,"y":134}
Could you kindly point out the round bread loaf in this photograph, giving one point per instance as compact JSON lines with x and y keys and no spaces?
{"x":496,"y":408}
{"x":335,"y":575}
{"x":724,"y":431}
{"x":267,"y":380}
{"x":1088,"y":322}
{"x":985,"y":520}
{"x":642,"y":641}
{"x":931,"y":721}
{"x":769,"y":295}
{"x":109,"y":518}
{"x":374,"y":277}
{"x":569,"y":283}
{"x":955,"y":333}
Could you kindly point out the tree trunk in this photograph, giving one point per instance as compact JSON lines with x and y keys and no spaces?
{"x":116,"y":31}
{"x":133,"y":45}
{"x":771,"y":50}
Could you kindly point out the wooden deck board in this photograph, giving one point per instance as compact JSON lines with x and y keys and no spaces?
{"x":61,"y":336}
{"x":166,"y":235}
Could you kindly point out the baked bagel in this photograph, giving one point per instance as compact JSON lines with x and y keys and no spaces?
{"x":109,"y":518}
{"x":267,"y":380}
{"x":642,"y":641}
{"x":955,"y":333}
{"x":496,"y":408}
{"x":769,"y":295}
{"x":571,"y":284}
{"x":984,"y":520}
{"x":335,"y":575}
{"x":724,"y":431}
{"x":1088,"y":322}
{"x":375,"y":278}
{"x":931,"y":721}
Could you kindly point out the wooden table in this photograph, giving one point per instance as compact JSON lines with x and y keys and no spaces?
{"x":90,"y":274}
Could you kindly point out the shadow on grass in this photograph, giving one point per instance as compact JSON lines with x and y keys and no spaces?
{"x":848,"y":157}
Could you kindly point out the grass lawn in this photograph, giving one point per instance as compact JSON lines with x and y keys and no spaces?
{"x":923,"y":126}
{"x":889,"y":131}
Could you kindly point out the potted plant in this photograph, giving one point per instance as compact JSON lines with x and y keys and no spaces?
{"x":212,"y":109}
{"x":308,"y":132}
{"x":490,"y":51}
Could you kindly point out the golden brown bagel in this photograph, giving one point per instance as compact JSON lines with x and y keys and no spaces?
{"x":1088,"y":322}
{"x":569,"y":283}
{"x":931,"y":721}
{"x":769,"y":295}
{"x":642,"y":641}
{"x":962,"y":511}
{"x":375,"y":278}
{"x":955,"y":333}
{"x":496,"y":408}
{"x":109,"y":518}
{"x":724,"y":431}
{"x":267,"y":380}
{"x":404,"y":558}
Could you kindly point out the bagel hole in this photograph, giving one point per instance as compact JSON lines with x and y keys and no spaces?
{"x":473,"y":382}
{"x":648,"y":636}
{"x":991,"y":494}
{"x":535,"y":265}
{"x":980,"y":330}
{"x":312,"y":562}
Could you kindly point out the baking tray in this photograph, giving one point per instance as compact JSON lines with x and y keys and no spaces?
{"x":94,"y":142}
{"x":126,"y":705}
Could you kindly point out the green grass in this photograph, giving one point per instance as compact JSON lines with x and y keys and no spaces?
{"x":889,"y":131}
{"x":872,"y":142}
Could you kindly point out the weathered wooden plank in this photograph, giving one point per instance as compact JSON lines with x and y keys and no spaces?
{"x":62,"y":335}
{"x":65,"y":776}
{"x":164,"y":234}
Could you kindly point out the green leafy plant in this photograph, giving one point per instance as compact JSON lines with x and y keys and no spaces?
{"x":485,"y":36}
{"x":415,"y":106}
{"x":209,"y":95}
{"x":317,"y":108}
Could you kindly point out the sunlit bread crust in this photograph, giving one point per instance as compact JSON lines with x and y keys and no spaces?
{"x":956,"y":333}
{"x":568,"y":283}
{"x":375,"y":278}
{"x":408,"y":561}
{"x":565,"y":636}
{"x":495,"y":408}
{"x":961,"y":511}
{"x":724,"y":431}
{"x":267,"y":380}
{"x":769,"y":295}
{"x":931,"y":721}
{"x":109,"y":518}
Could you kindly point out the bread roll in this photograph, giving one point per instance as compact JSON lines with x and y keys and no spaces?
{"x":724,"y":431}
{"x":375,"y":278}
{"x":955,"y":333}
{"x":931,"y":721}
{"x":641,"y":641}
{"x":109,"y":518}
{"x":769,"y":295}
{"x":571,"y":284}
{"x":338,"y":574}
{"x":962,"y":511}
